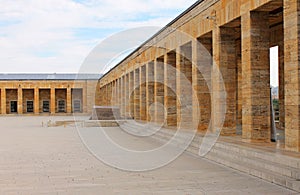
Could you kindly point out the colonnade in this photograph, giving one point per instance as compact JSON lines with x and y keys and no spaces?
{"x":212,"y":62}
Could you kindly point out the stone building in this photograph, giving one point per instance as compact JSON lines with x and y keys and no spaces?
{"x":47,"y":93}
{"x":221,"y":48}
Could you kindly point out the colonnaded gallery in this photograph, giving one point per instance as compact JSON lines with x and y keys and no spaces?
{"x":221,"y":48}
{"x":55,"y":94}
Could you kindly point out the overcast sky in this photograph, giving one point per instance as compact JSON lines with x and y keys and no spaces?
{"x":57,"y":35}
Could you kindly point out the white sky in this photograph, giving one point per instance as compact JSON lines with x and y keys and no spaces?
{"x":56,"y":35}
{"x":274,"y":66}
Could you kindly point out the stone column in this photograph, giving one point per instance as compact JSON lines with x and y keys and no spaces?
{"x":150,"y":91}
{"x":202,"y":56}
{"x":281,"y":85}
{"x":127,"y":96}
{"x":137,"y":94}
{"x":69,"y":100}
{"x":52,"y":101}
{"x":184,"y":86}
{"x":178,"y":86}
{"x":225,"y":55}
{"x":117,"y":93}
{"x":3,"y":100}
{"x":239,"y":105}
{"x":291,"y":74}
{"x":113,"y":96}
{"x":143,"y":93}
{"x":109,"y":94}
{"x":123,"y":95}
{"x":20,"y":100}
{"x":84,"y":97}
{"x":256,"y":76}
{"x":170,"y":89}
{"x":131,"y":94}
{"x":36,"y":101}
{"x":159,"y":90}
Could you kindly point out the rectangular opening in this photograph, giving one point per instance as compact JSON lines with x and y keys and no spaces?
{"x":13,"y":106}
{"x":61,"y":106}
{"x":274,"y":67}
{"x":77,"y":98}
{"x":27,"y":96}
{"x":46,"y":106}
{"x":44,"y":100}
{"x":60,"y":99}
{"x":29,"y":106}
{"x":11,"y":96}
{"x":76,"y":105}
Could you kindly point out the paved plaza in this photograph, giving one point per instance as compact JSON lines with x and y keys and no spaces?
{"x":41,"y":160}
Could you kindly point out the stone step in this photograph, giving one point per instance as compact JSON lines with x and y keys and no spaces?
{"x":259,"y":154}
{"x":255,"y":162}
{"x":245,"y":151}
{"x":249,"y":156}
{"x":270,"y":176}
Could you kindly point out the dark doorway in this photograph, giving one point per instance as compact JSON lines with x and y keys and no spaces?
{"x":29,"y":106}
{"x":46,"y":107}
{"x":61,"y":106}
{"x":13,"y":107}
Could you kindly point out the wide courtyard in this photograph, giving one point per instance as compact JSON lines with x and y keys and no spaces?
{"x":53,"y":160}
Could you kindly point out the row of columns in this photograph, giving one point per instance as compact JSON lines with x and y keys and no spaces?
{"x":238,"y":69}
{"x":36,"y":100}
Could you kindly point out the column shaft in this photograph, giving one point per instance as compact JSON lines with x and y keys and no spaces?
{"x":159,"y":90}
{"x":131,"y":94}
{"x":69,"y":100}
{"x":52,"y":101}
{"x":227,"y":67}
{"x":20,"y":100}
{"x":202,"y":56}
{"x":256,"y":76}
{"x":170,"y":89}
{"x":281,"y":86}
{"x":84,"y":98}
{"x":291,"y":74}
{"x":150,"y":91}
{"x":137,"y":94}
{"x":36,"y":101}
{"x":143,"y":93}
{"x":3,"y":101}
{"x":127,"y":96}
{"x":184,"y":86}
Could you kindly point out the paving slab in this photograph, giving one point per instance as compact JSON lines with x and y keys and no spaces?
{"x":41,"y":160}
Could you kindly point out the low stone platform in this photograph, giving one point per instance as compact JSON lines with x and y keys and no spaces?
{"x":106,"y":113}
{"x":84,"y":123}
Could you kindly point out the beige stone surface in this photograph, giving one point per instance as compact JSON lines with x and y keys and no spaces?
{"x":40,"y":160}
{"x":38,"y":91}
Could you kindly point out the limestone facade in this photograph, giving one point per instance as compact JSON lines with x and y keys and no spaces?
{"x":52,"y":96}
{"x":221,"y":49}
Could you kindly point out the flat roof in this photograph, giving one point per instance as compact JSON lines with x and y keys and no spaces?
{"x":50,"y":76}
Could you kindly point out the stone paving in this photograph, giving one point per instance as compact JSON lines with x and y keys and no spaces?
{"x":41,"y":160}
